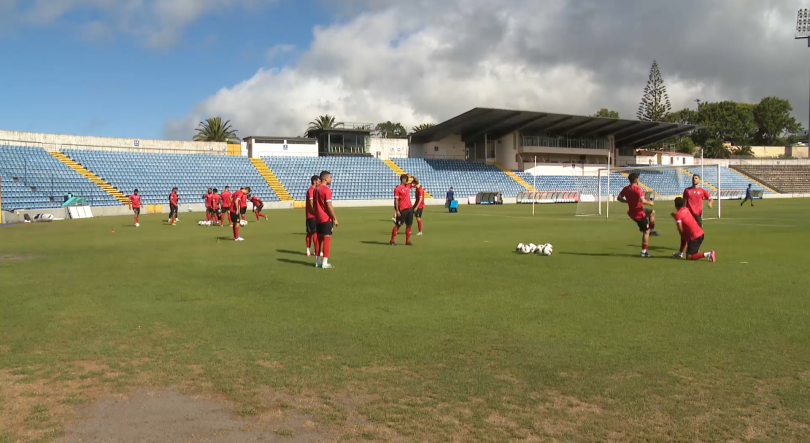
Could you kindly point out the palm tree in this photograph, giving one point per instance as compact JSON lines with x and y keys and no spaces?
{"x":422,"y":127}
{"x":324,"y":122}
{"x":213,"y":130}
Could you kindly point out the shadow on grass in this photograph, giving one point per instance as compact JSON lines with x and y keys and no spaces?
{"x":284,"y":251}
{"x":654,"y":248}
{"x":297,"y":262}
{"x":379,"y":243}
{"x":224,"y":238}
{"x":586,"y":254}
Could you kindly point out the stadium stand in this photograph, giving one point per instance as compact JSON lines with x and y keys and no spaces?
{"x":154,"y":175}
{"x":731,"y":179}
{"x":466,"y":178}
{"x":353,"y":178}
{"x":33,"y":179}
{"x":792,"y":179}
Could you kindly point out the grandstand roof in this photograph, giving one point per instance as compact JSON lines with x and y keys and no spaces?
{"x":499,"y":122}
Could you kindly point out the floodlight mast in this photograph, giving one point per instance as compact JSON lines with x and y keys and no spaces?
{"x":803,"y":32}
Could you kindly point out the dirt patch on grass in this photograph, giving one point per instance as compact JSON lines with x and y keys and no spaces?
{"x":15,"y":257}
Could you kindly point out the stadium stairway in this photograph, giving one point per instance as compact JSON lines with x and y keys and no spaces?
{"x":108,"y":188}
{"x":515,"y":177}
{"x":271,"y":179}
{"x":711,"y":186}
{"x":756,"y":180}
{"x":399,"y":171}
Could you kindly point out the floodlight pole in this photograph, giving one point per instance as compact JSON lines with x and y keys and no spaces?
{"x":534,"y":184}
{"x":803,"y":33}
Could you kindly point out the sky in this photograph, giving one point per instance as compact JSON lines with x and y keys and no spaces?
{"x":156,"y":68}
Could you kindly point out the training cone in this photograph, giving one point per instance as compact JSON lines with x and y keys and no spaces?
{"x":112,"y":232}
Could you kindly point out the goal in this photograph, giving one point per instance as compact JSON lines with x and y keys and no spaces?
{"x":660,"y":183}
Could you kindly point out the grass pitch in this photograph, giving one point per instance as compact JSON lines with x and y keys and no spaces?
{"x":457,"y":338}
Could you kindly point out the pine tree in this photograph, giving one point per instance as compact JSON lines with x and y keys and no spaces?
{"x":655,"y":101}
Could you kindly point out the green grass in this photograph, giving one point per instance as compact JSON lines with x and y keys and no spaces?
{"x":455,"y":337}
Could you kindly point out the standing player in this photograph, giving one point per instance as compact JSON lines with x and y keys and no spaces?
{"x":174,"y":201}
{"x":215,"y":212}
{"x":748,"y":196}
{"x":257,"y":207}
{"x":694,"y":197}
{"x":325,"y":220}
{"x":633,"y":195}
{"x":404,"y":210}
{"x":691,"y":232}
{"x":135,"y":205}
{"x":419,"y":206}
{"x":226,"y":205}
{"x":208,"y":212}
{"x":243,"y":198}
{"x":236,"y":200}
{"x":312,"y":229}
{"x":234,"y":215}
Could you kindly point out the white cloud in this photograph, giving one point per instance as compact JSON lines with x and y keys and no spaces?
{"x":278,"y":50}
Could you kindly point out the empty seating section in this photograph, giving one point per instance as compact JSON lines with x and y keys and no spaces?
{"x":585,"y":184}
{"x":466,"y":178}
{"x":731,"y":179}
{"x":353,"y":178}
{"x":154,"y":175}
{"x":792,"y":179}
{"x":33,"y":179}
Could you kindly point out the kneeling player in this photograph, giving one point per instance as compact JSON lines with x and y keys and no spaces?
{"x":690,"y":232}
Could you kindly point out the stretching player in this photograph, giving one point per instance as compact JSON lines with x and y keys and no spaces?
{"x":633,"y":195}
{"x":312,"y":229}
{"x":748,"y":196}
{"x":135,"y":205}
{"x":226,"y":205}
{"x":325,"y":220}
{"x":419,"y":206}
{"x":694,"y":197}
{"x":234,"y":215}
{"x":174,"y":201}
{"x":257,"y":207}
{"x":404,"y":210}
{"x":215,"y":211}
{"x":690,"y":232}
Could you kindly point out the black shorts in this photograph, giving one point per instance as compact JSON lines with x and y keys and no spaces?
{"x":137,"y":211}
{"x":226,"y":209}
{"x":234,"y":217}
{"x":172,"y":208}
{"x":243,"y":211}
{"x":693,"y":247}
{"x":258,"y":208}
{"x":418,"y":212}
{"x":312,"y":227}
{"x":405,"y":217}
{"x":644,"y":222}
{"x":324,"y":229}
{"x":208,"y":210}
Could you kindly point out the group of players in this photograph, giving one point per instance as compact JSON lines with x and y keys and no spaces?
{"x":688,"y":217}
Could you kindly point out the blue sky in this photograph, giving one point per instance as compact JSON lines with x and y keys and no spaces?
{"x":155,"y":68}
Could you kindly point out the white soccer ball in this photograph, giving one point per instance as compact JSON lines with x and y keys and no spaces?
{"x":519,"y":247}
{"x":189,"y":209}
{"x":532,"y":247}
{"x":201,"y":223}
{"x":547,"y":249}
{"x":137,"y":225}
{"x":243,"y":223}
{"x":526,"y":249}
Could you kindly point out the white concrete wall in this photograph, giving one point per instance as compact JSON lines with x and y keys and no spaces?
{"x":257,"y":150}
{"x":450,"y":147}
{"x":743,"y":162}
{"x":563,"y":169}
{"x":386,"y":148}
{"x":672,"y":159}
{"x":53,"y":142}
{"x":506,"y":151}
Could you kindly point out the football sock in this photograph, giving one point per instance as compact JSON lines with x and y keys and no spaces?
{"x":325,"y":261}
{"x":697,"y":256}
{"x":419,"y":223}
{"x":136,"y":219}
{"x":235,"y":231}
{"x":327,"y":242}
{"x":262,"y":215}
{"x":644,"y":247}
{"x":408,"y":234}
{"x":394,"y":234}
{"x":309,"y":241}
{"x":683,"y":246}
{"x":257,"y":216}
{"x":652,"y":226}
{"x":317,"y":245}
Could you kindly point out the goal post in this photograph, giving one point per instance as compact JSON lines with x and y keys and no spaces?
{"x":660,"y":183}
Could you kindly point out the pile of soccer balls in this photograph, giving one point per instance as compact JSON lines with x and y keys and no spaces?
{"x":531,"y":248}
{"x":208,"y":223}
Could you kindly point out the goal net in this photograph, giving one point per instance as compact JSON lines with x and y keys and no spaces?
{"x":660,"y":184}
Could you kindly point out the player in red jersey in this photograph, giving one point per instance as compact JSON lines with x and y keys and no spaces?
{"x":135,"y":205}
{"x":325,"y":220}
{"x":207,"y":199}
{"x":226,"y":205}
{"x":233,"y":212}
{"x":257,"y":207}
{"x":419,"y":206}
{"x":174,"y":201}
{"x":633,"y":195}
{"x":694,"y":197}
{"x":312,"y":229}
{"x":691,"y":232}
{"x":215,"y":211}
{"x":403,"y":208}
{"x":236,"y":200}
{"x":243,"y":198}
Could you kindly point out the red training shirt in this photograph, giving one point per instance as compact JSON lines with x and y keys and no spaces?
{"x":403,"y":194}
{"x":691,"y":230}
{"x":233,"y":209}
{"x":135,"y":200}
{"x":633,"y":194}
{"x":420,"y":192}
{"x":237,"y":198}
{"x":311,"y":197}
{"x":215,"y":199}
{"x":323,"y":195}
{"x":208,"y":200}
{"x":173,"y":199}
{"x":226,"y":199}
{"x":694,"y":199}
{"x":256,"y":201}
{"x":243,"y":200}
